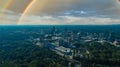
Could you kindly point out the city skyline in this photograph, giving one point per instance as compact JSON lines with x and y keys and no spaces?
{"x":59,"y":12}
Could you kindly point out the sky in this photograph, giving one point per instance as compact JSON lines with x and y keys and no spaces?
{"x":59,"y":12}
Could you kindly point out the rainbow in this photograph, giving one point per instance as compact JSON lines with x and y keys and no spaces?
{"x":32,"y":7}
{"x":26,"y":10}
{"x":28,"y":7}
{"x":6,"y":6}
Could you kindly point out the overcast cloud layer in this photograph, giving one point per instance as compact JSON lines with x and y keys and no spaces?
{"x":60,"y":12}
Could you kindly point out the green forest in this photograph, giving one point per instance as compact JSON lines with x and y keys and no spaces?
{"x":100,"y":54}
{"x":25,"y":54}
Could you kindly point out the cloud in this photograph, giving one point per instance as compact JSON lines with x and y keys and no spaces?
{"x":59,"y":7}
{"x":98,"y":7}
{"x":11,"y":18}
{"x":68,"y":20}
{"x":57,"y":20}
{"x":73,"y":12}
{"x":8,"y":17}
{"x":6,"y":11}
